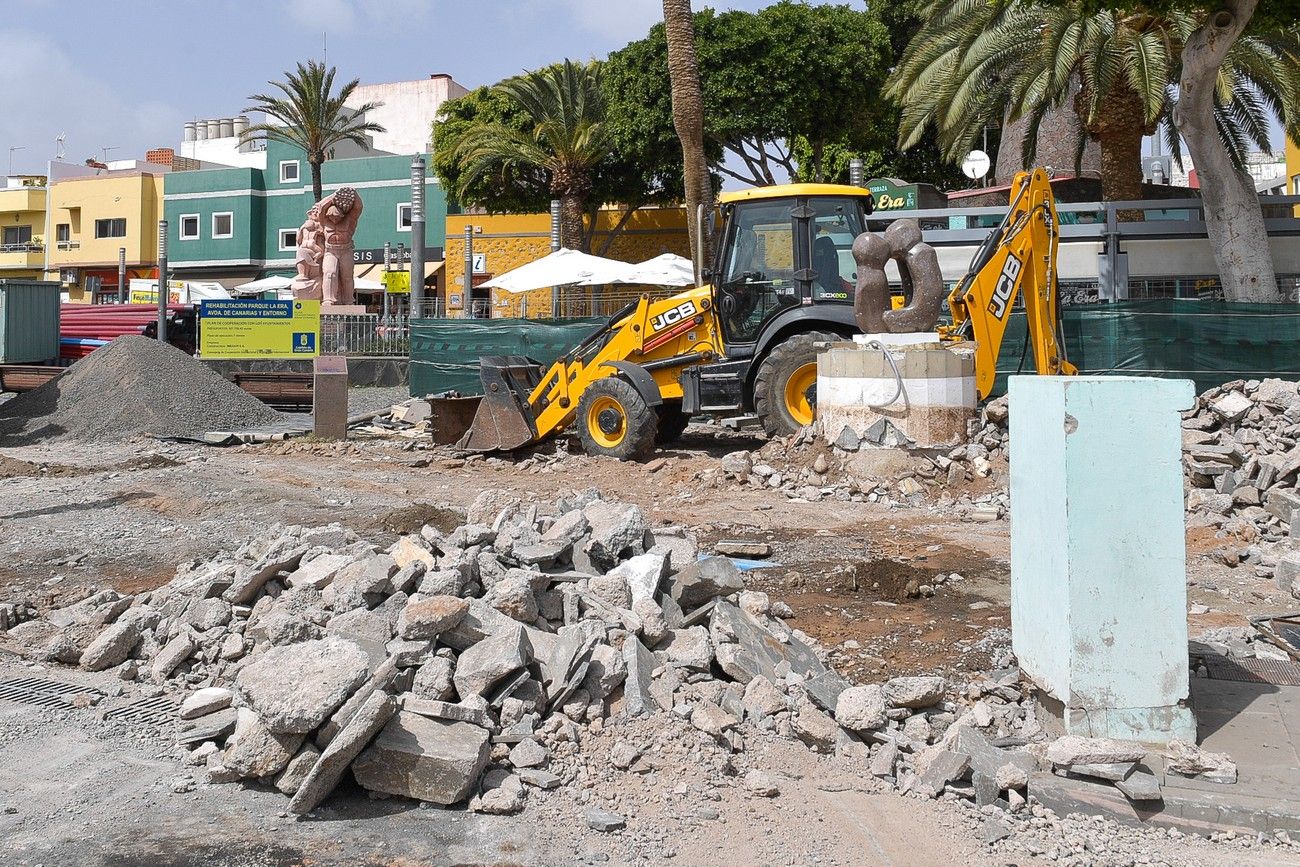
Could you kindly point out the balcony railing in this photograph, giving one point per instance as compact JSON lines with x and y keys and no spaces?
{"x":69,"y":245}
{"x":27,"y":247}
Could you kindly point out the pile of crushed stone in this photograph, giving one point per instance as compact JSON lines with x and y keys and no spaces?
{"x":133,"y":386}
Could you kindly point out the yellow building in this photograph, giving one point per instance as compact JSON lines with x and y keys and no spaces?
{"x":1293,"y":169}
{"x":22,"y":221}
{"x":503,"y":242}
{"x":91,"y":219}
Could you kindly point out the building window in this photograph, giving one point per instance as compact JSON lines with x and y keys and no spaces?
{"x":63,"y":233}
{"x":189,"y":227}
{"x":114,"y":227}
{"x":288,"y":171}
{"x":223,"y":225}
{"x":1295,"y":185}
{"x":16,"y":236}
{"x":288,"y":240}
{"x":404,"y":217}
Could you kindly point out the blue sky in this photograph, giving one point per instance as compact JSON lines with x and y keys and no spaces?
{"x":129,"y":73}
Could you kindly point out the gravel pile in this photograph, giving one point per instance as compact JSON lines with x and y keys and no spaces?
{"x":132,"y":386}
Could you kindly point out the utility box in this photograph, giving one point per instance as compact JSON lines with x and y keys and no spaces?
{"x":1098,"y":552}
{"x":29,"y":321}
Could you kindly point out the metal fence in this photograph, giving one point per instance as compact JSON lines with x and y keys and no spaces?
{"x":365,"y":334}
{"x":580,"y":302}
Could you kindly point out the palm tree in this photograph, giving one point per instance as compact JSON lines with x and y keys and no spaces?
{"x":311,"y":116}
{"x":975,"y":62}
{"x":688,"y":118}
{"x":567,"y":142}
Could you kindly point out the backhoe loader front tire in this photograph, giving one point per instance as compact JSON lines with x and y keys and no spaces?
{"x":614,"y":420}
{"x":785,"y":389}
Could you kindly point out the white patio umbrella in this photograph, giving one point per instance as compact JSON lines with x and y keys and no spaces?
{"x":367,"y":285}
{"x":667,"y":269}
{"x":561,"y":268}
{"x":266,"y":284}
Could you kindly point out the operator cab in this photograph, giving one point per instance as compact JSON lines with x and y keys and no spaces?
{"x":786,"y":246}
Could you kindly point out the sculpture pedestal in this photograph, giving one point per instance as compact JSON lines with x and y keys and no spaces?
{"x":329,"y":397}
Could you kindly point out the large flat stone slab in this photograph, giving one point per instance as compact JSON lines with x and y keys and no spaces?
{"x":426,"y":759}
{"x":294,"y":688}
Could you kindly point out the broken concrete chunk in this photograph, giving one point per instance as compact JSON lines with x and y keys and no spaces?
{"x":711,"y":719}
{"x":425,"y":759}
{"x":914,"y":692}
{"x":172,"y":655}
{"x":756,"y":650}
{"x":1112,"y":771}
{"x":255,"y":751}
{"x":208,"y":727}
{"x":861,"y":708}
{"x":884,"y":759}
{"x":317,"y":572}
{"x":373,"y":715}
{"x":112,"y":646}
{"x":433,"y":680}
{"x":615,"y":528}
{"x":689,"y":648}
{"x":294,"y":773}
{"x":946,"y":767}
{"x":640,"y":665}
{"x":762,"y":699}
{"x":446,"y":710}
{"x":502,"y":794}
{"x":642,"y":574}
{"x":815,"y":728}
{"x":1189,"y":760}
{"x":205,"y":701}
{"x":1141,"y":785}
{"x":429,"y":617}
{"x":528,"y":753}
{"x":604,"y":820}
{"x":1077,"y":750}
{"x":706,"y":579}
{"x":249,"y":580}
{"x":296,"y":687}
{"x":490,"y":660}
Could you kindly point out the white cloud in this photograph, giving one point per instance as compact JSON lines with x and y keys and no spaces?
{"x":46,"y":93}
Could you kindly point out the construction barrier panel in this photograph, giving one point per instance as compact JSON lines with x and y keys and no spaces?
{"x":445,"y":352}
{"x":1208,"y":342}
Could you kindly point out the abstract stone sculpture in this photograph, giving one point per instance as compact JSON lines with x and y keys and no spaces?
{"x":918,"y":266}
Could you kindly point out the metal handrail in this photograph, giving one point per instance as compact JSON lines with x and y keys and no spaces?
{"x":25,"y":247}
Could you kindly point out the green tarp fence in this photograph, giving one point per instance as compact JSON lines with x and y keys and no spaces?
{"x":445,"y":352}
{"x":1208,"y":342}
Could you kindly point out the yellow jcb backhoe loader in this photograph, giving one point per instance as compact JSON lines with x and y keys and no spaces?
{"x":783,"y":282}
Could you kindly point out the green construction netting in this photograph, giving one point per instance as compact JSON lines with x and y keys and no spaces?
{"x":445,"y":352}
{"x":1208,"y":342}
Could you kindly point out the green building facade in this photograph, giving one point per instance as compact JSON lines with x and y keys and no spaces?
{"x":233,"y":225}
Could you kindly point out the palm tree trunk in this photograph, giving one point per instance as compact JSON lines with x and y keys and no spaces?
{"x":688,"y":120}
{"x":1234,"y":220}
{"x":316,"y":190}
{"x":1119,"y":133}
{"x":571,"y":218}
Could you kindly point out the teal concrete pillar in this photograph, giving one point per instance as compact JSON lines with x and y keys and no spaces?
{"x":1098,"y":552}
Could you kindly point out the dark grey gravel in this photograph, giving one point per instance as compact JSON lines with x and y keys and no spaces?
{"x":133,"y":386}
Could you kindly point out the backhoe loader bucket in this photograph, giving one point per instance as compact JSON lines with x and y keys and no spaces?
{"x":504,"y":421}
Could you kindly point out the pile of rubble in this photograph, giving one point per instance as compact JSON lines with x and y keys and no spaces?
{"x":1241,"y":455}
{"x":457,"y":666}
{"x":970,"y":479}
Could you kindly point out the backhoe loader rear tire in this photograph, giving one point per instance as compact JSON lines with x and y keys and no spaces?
{"x":614,"y":420}
{"x":672,"y":422}
{"x":785,"y":389}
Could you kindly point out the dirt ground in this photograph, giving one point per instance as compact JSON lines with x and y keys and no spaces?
{"x":75,"y":789}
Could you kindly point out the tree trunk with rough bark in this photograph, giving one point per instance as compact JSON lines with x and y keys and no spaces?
{"x":1058,"y":138}
{"x":314,"y":164}
{"x":572,"y":212}
{"x":1234,"y":220}
{"x":688,"y":120}
{"x":1119,"y":133}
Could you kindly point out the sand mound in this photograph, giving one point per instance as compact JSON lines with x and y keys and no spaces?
{"x":134,"y":385}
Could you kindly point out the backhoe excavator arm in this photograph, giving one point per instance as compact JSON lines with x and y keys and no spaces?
{"x":1017,"y":260}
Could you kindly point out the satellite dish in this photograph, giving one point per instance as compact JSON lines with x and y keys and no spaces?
{"x":976,"y":165}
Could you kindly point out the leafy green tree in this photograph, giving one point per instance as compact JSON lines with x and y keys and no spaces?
{"x":786,"y":73}
{"x":972,"y":64}
{"x":311,"y":116}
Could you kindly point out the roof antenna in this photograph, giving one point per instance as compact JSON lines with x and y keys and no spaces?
{"x":325,"y":46}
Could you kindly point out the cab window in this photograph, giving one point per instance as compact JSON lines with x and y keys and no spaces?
{"x":836,"y":222}
{"x":758,"y":272}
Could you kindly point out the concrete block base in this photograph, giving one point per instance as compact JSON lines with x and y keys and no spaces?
{"x":928,"y":404}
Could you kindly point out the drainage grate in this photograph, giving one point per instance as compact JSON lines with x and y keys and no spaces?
{"x":147,"y":711}
{"x":1271,"y":671}
{"x":45,"y":693}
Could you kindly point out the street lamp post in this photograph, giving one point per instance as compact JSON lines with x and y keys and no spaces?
{"x":121,"y":275}
{"x":417,"y":235}
{"x":162,"y":281}
{"x":469,"y":271}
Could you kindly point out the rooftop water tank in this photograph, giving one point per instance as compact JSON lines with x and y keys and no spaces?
{"x":227,"y":127}
{"x":214,"y":128}
{"x":189,"y":131}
